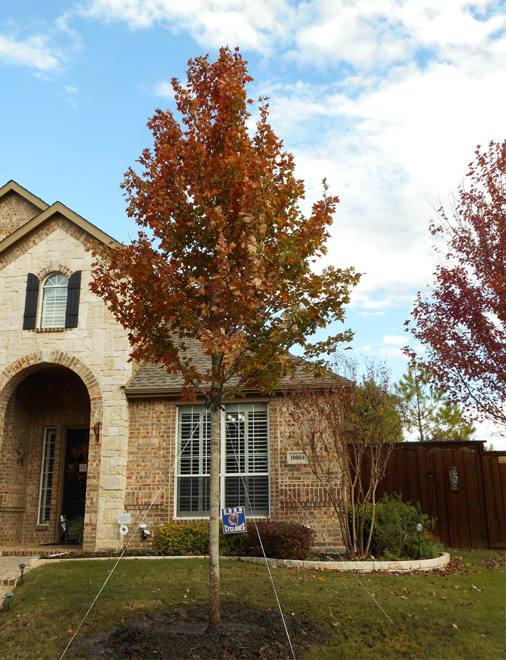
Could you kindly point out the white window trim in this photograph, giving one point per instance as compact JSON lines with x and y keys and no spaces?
{"x":43,"y":488}
{"x":41,"y":302}
{"x":223,"y":474}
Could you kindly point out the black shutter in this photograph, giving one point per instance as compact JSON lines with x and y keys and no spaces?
{"x":74,"y":290}
{"x":32,"y":295}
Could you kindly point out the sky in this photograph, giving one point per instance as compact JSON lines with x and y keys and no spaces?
{"x":387,"y":99}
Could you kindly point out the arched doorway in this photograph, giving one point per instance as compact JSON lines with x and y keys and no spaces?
{"x":43,"y":455}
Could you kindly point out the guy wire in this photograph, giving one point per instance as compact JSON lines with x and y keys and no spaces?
{"x":168,"y":473}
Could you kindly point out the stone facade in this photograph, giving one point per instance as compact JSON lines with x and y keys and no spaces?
{"x":80,"y":378}
{"x":97,"y":351}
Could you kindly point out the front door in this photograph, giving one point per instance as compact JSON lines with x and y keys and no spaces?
{"x":75,"y":473}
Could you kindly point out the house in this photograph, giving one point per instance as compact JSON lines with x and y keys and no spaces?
{"x":83,"y":432}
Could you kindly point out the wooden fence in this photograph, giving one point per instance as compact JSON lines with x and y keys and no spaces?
{"x":459,"y":484}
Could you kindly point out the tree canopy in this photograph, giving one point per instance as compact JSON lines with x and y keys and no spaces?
{"x":225,"y":255}
{"x":462,"y":323}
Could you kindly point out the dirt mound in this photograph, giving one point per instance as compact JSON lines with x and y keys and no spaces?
{"x":176,"y":634}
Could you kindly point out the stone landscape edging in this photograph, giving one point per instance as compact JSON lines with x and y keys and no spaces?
{"x":404,"y":566}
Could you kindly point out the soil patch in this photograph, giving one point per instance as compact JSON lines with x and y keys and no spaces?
{"x":176,"y":634}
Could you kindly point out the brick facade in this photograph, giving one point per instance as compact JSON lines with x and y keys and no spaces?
{"x":152,"y":454}
{"x":15,"y":211}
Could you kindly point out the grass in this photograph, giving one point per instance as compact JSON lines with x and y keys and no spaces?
{"x":460,"y":615}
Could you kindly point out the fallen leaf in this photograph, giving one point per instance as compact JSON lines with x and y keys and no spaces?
{"x":70,"y":630}
{"x":321,"y":579}
{"x":402,"y":628}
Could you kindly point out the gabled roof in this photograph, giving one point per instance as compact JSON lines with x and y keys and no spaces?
{"x":46,"y":215}
{"x":12,"y":186}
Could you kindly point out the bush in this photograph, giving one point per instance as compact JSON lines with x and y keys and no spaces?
{"x":190,"y":538}
{"x":395,"y":535}
{"x":281,"y":540}
{"x":76,"y":530}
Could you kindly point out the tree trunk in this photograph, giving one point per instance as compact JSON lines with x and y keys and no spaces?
{"x":214,"y":521}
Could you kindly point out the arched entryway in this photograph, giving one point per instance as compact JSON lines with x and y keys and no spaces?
{"x":46,"y":414}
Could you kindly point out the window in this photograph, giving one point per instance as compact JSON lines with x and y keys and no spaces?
{"x":54,"y":302}
{"x":244,"y":459}
{"x":60,"y":301}
{"x":46,"y":476}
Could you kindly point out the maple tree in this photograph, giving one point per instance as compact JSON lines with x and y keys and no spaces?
{"x":463,"y":322}
{"x":224,"y":255}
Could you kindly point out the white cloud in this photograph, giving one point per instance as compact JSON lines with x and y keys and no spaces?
{"x":71,"y":90}
{"x":393,"y":352}
{"x":163,"y":89}
{"x":395,"y":340}
{"x":364,"y":33}
{"x":372,"y":33}
{"x":36,"y":52}
{"x":248,"y":23}
{"x":390,"y":149}
{"x":367,"y":314}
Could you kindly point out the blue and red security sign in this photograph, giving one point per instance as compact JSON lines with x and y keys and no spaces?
{"x":234,"y":520}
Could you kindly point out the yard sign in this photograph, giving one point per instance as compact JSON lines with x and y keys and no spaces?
{"x":234,"y":520}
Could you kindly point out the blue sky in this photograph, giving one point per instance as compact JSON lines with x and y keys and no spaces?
{"x":387,"y":99}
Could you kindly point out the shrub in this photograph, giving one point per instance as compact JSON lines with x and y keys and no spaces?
{"x":281,"y":540}
{"x":234,"y":545}
{"x":190,"y":538}
{"x":395,"y":535}
{"x":76,"y":530}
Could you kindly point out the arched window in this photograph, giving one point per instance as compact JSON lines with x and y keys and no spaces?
{"x":54,"y":301}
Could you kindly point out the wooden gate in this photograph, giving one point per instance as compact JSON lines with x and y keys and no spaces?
{"x":459,"y":484}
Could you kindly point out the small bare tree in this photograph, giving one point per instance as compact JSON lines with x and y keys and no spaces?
{"x":344,"y":426}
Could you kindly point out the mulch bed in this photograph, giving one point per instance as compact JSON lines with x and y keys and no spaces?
{"x":172,"y":635}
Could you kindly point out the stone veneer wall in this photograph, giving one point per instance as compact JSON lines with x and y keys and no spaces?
{"x":97,"y":350}
{"x":151,"y":454}
{"x":15,"y":211}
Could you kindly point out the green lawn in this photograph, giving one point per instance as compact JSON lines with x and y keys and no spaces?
{"x":461,"y":615}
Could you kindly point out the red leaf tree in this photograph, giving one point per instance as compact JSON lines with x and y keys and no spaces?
{"x":224,"y":256}
{"x":463,"y":323}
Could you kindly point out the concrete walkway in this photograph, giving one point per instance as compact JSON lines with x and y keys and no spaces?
{"x":11,"y":558}
{"x":10,"y":572}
